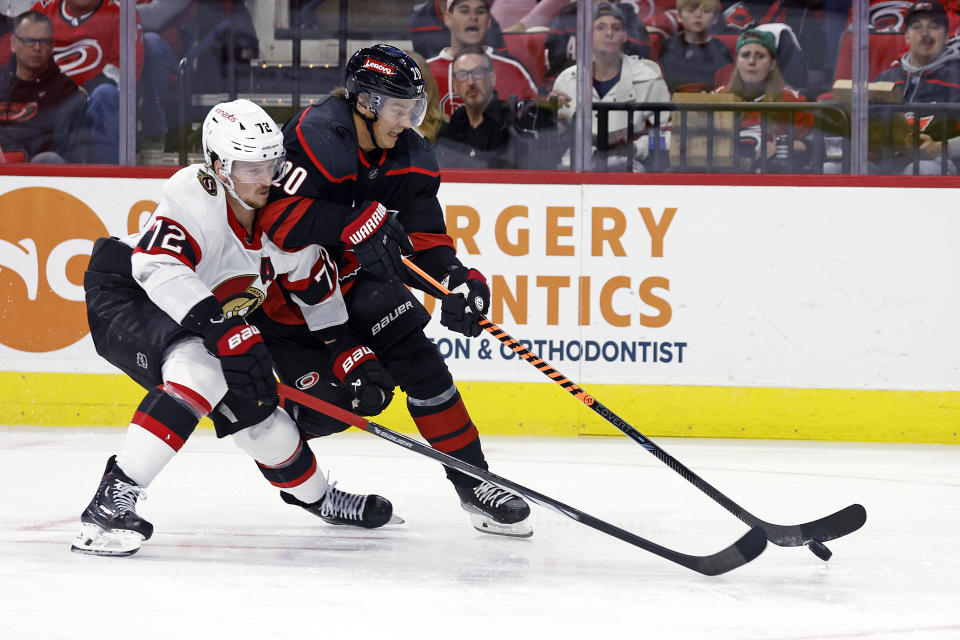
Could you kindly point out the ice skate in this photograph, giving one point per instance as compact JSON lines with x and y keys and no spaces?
{"x":110,"y":525}
{"x":351,"y":509}
{"x":495,"y":510}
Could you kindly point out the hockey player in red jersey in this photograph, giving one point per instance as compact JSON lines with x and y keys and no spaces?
{"x":168,"y":306}
{"x":354,"y":157}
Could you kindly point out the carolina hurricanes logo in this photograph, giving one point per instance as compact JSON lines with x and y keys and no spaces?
{"x":79,"y":57}
{"x":308,"y":380}
{"x":379,"y":67}
{"x":888,"y":17}
{"x":738,"y":17}
{"x":924,"y":120}
{"x":17,"y":111}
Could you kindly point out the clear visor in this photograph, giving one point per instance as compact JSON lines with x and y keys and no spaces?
{"x":407,"y":111}
{"x":258,"y":171}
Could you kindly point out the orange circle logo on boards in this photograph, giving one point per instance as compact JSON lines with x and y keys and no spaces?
{"x":46,"y":236}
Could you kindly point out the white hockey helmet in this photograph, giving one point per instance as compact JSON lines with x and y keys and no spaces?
{"x":241,"y":130}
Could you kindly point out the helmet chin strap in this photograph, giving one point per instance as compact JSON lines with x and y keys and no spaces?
{"x":227,"y":183}
{"x":369,"y":122}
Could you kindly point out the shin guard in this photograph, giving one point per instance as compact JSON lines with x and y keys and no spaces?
{"x":160,"y":426}
{"x":444,"y":422}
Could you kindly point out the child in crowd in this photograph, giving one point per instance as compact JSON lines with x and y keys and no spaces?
{"x":692,"y":58}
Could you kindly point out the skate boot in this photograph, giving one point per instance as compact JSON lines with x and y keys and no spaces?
{"x":342,"y":508}
{"x":110,"y":525}
{"x":495,"y":510}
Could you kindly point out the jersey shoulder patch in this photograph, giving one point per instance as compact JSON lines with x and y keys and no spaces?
{"x":207,"y":181}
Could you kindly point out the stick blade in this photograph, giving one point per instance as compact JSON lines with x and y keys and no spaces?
{"x":836,"y":525}
{"x":748,"y":547}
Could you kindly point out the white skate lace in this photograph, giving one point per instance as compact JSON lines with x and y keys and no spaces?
{"x":339,"y":504}
{"x":492,"y":494}
{"x":125,"y":496}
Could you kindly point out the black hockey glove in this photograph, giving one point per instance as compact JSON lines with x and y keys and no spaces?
{"x":378,"y":241}
{"x":246,"y":363}
{"x":360,"y":371}
{"x":468,"y":299}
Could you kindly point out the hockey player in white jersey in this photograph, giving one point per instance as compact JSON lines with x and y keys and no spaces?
{"x":168,"y":305}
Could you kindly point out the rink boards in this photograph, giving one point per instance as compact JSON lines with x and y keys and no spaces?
{"x":817,"y":308}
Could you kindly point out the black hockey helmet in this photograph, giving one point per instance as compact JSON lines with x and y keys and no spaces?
{"x":383,"y":71}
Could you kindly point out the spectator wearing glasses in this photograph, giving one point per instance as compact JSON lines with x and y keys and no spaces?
{"x":469,"y":21}
{"x":487,"y":132}
{"x":478,"y":134}
{"x":40,"y":108}
{"x":617,"y":77}
{"x":928,"y":72}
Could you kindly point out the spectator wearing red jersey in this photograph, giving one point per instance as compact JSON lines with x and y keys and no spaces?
{"x":429,"y":32}
{"x":757,"y":79}
{"x":86,"y":45}
{"x":469,"y":21}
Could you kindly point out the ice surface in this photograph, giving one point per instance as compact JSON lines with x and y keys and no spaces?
{"x":230,"y":560}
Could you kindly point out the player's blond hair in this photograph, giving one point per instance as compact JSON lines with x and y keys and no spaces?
{"x":693,"y":4}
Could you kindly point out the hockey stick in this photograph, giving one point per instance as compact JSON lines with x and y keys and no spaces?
{"x":748,"y":547}
{"x":812,"y":534}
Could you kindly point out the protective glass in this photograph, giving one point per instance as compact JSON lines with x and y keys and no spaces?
{"x":245,"y":171}
{"x":397,"y":109}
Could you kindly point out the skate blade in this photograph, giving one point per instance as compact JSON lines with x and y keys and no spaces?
{"x":94,"y":540}
{"x":483,"y":524}
{"x":395,"y":519}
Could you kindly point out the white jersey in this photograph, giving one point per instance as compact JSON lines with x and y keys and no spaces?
{"x":192,"y":246}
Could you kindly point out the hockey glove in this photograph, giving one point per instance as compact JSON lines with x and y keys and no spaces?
{"x":246,"y":363}
{"x":360,"y":371}
{"x":378,"y":241}
{"x":468,"y":299}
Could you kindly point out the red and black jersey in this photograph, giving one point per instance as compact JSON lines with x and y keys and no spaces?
{"x":329,"y":175}
{"x":84,"y":46}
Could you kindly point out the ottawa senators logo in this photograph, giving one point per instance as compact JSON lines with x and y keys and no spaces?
{"x":238,"y":296}
{"x":207,"y":181}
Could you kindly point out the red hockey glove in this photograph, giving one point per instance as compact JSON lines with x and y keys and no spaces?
{"x":360,"y":371}
{"x":468,"y":299}
{"x":378,"y":241}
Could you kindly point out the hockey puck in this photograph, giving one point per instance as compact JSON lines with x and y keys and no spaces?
{"x":819,"y":549}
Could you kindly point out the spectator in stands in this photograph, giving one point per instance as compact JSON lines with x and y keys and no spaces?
{"x":40,"y":108}
{"x":86,"y":42}
{"x":757,"y":79}
{"x":617,"y":77}
{"x":433,"y":119}
{"x":521,"y":15}
{"x":770,"y":17}
{"x":928,"y":72}
{"x":562,"y":41}
{"x":430,"y":33}
{"x":469,"y":21}
{"x":692,"y":58}
{"x":487,"y":132}
{"x":478,"y":134}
